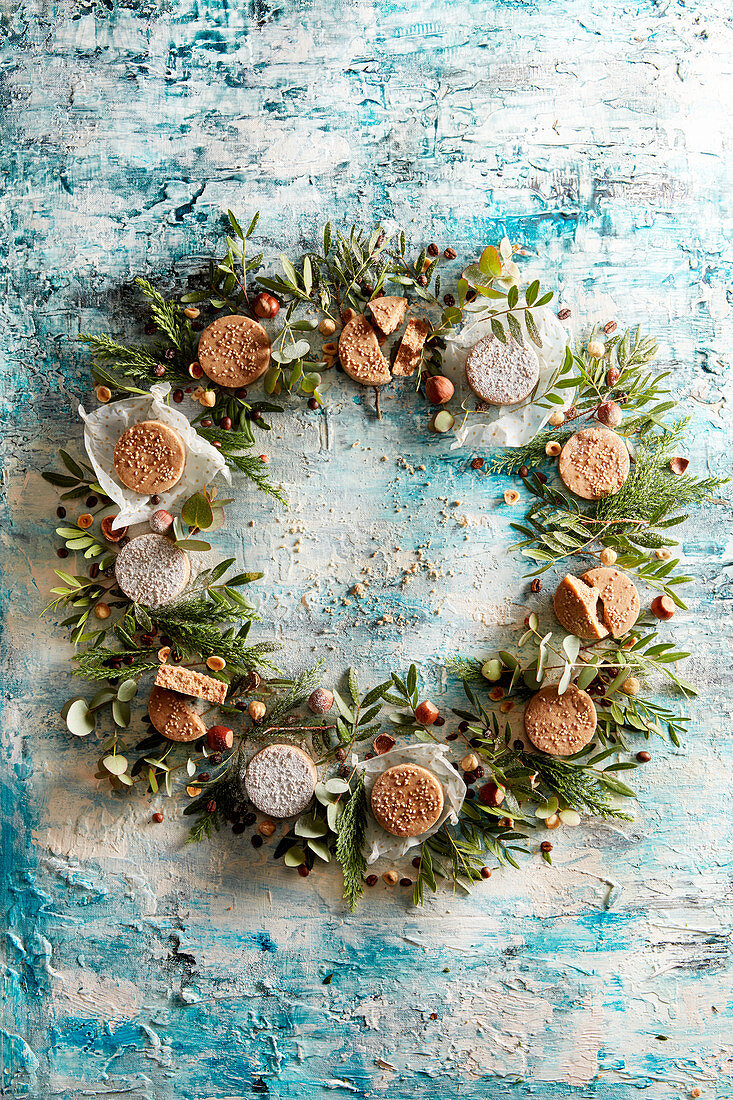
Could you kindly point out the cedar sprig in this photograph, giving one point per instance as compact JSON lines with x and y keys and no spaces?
{"x":351,"y":830}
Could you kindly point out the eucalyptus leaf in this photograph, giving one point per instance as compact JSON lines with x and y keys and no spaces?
{"x":295,"y":856}
{"x":115,"y":765}
{"x":79,"y":719}
{"x":127,"y":690}
{"x":320,"y":849}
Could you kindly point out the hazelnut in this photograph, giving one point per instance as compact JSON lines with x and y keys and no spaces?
{"x":191,"y":312}
{"x":391,"y":878}
{"x":109,"y":534}
{"x":266,"y":827}
{"x":265,"y":305}
{"x":608,"y":556}
{"x":553,"y":448}
{"x":164,"y":654}
{"x":556,"y":419}
{"x":612,"y":376}
{"x":85,"y":520}
{"x":439,"y":389}
{"x":496,"y":694}
{"x":216,"y":664}
{"x":160,"y":522}
{"x":384,"y":742}
{"x":331,"y":348}
{"x":663,"y":607}
{"x":511,"y":496}
{"x":678,"y":465}
{"x":663,"y":553}
{"x":219,"y":738}
{"x":103,"y":394}
{"x":426,"y":713}
{"x":552,"y":822}
{"x":102,"y":611}
{"x":596,"y":348}
{"x":196,"y":370}
{"x":609,"y":414}
{"x":491,"y":794}
{"x":320,"y":701}
{"x":469,"y":763}
{"x":631,"y":686}
{"x":348,"y":315}
{"x":198,"y":393}
{"x":208,"y":399}
{"x":327,"y":327}
{"x":256,"y":710}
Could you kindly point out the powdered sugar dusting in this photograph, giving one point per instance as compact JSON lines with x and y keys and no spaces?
{"x":280,"y":780}
{"x":502,"y":374}
{"x":152,"y":571}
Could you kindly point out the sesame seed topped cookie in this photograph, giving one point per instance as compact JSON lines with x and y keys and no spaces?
{"x":234,"y":351}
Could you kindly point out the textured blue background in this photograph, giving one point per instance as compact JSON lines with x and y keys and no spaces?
{"x":599,"y":135}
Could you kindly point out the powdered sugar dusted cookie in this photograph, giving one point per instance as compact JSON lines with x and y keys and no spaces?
{"x":188,"y":682}
{"x":410,"y":350}
{"x":388,"y":312}
{"x":152,"y":571}
{"x":360,"y":354}
{"x":594,"y":463}
{"x":280,"y":780}
{"x":234,"y":351}
{"x":502,"y":374}
{"x":149,"y":457}
{"x":560,"y":724}
{"x":174,"y":717}
{"x":406,"y":800}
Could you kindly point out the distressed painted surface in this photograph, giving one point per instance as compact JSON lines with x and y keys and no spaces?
{"x":598,"y":134}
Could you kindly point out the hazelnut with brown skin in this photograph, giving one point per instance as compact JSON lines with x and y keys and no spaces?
{"x":426,"y":713}
{"x":219,"y":738}
{"x":678,"y":465}
{"x":265,"y":305}
{"x":320,"y":701}
{"x":612,"y":376}
{"x":256,"y":710}
{"x":439,"y":389}
{"x":663,"y":607}
{"x":160,"y":522}
{"x":609,"y":414}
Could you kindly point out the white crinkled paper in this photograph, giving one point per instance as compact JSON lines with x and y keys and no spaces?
{"x":380,"y":843}
{"x":507,"y":425}
{"x":105,"y":426}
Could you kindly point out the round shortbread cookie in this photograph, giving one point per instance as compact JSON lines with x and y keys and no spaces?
{"x":149,"y":457}
{"x":152,"y":571}
{"x":360,"y":354}
{"x":406,"y":800}
{"x":502,"y":374}
{"x":594,"y":463}
{"x":234,"y":351}
{"x":619,"y":597}
{"x":560,"y":724}
{"x":280,"y":780}
{"x":173,"y":717}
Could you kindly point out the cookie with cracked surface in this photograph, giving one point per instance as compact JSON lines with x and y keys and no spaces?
{"x":619,"y":598}
{"x":594,"y":463}
{"x":149,"y":457}
{"x":360,"y":354}
{"x":407,"y":800}
{"x":152,"y":570}
{"x":234,"y":351}
{"x":173,"y":717}
{"x":560,"y":724}
{"x":280,"y":780}
{"x":502,"y":373}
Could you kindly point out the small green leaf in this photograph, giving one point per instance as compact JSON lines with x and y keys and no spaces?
{"x":115,"y":765}
{"x":490,"y":262}
{"x":127,"y":690}
{"x":197,"y":511}
{"x":310,"y":826}
{"x":320,"y":849}
{"x":79,"y":719}
{"x":295,"y":856}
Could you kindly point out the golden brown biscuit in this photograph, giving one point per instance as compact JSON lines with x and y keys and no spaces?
{"x":410,"y":348}
{"x":594,"y":463}
{"x":388,"y":313}
{"x":280,"y":780}
{"x":619,"y":598}
{"x":173,"y":717}
{"x":149,"y":457}
{"x":560,"y":724}
{"x":576,"y":607}
{"x":360,"y":355}
{"x":234,"y":351}
{"x":406,"y":800}
{"x":187,"y":682}
{"x":502,"y":373}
